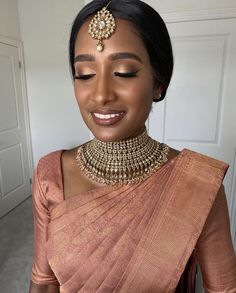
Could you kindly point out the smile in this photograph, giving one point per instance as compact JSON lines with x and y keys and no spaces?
{"x":107,"y":119}
{"x":107,"y":116}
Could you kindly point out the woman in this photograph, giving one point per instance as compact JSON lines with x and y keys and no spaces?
{"x":124,"y":213}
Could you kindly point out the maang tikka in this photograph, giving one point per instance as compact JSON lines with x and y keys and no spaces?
{"x":102,"y":26}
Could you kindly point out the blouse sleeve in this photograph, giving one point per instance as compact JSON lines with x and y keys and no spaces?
{"x":215,"y":250}
{"x":41,"y":272}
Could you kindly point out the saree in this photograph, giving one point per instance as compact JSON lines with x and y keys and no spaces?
{"x":136,"y":238}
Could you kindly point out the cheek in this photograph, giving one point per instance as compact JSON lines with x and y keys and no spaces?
{"x":140,"y":96}
{"x":80,"y":94}
{"x":75,"y":89}
{"x":143,"y":102}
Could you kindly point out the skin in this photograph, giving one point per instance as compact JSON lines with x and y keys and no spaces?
{"x":104,"y":90}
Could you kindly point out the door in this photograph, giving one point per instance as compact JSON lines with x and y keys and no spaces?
{"x":14,"y":160}
{"x":200,"y":110}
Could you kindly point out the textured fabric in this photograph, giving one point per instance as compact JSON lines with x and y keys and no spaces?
{"x":187,"y":282}
{"x":134,"y":238}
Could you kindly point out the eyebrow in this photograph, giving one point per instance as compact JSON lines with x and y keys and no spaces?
{"x":113,"y":57}
{"x":84,"y":58}
{"x":124,"y":55}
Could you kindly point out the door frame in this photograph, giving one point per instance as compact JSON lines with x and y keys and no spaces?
{"x":18,"y":44}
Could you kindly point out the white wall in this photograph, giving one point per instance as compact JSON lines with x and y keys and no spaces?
{"x":9,"y":20}
{"x":172,"y":10}
{"x":169,"y":6}
{"x":54,"y":116}
{"x":45,"y":25}
{"x":188,"y":10}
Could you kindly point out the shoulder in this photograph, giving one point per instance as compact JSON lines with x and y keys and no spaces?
{"x":200,"y":166}
{"x":48,"y":175}
{"x":205,"y":162}
{"x":198,"y":159}
{"x":53,"y":160}
{"x":49,"y":164}
{"x":49,"y":159}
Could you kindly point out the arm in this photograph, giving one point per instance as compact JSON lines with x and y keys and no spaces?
{"x":215,"y":250}
{"x":34,"y":288}
{"x":42,"y":277}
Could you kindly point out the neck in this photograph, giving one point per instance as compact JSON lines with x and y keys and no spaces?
{"x":124,"y":162}
{"x":123,"y":145}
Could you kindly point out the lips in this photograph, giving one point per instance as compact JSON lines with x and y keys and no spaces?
{"x":104,"y":117}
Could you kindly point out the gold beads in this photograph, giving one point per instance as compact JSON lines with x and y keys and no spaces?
{"x":125,"y":162}
{"x":100,"y":46}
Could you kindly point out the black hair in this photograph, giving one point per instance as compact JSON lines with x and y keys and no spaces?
{"x":149,"y":25}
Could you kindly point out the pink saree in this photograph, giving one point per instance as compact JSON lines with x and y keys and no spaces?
{"x":139,"y":238}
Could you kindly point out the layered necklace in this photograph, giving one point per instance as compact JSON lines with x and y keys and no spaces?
{"x":124,"y":162}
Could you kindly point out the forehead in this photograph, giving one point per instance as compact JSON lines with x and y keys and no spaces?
{"x":124,"y":39}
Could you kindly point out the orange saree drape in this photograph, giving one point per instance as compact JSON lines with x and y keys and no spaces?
{"x":138,"y":238}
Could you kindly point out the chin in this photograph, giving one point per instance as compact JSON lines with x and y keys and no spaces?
{"x":110,"y":136}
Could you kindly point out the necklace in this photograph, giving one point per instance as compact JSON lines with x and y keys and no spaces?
{"x":124,"y":162}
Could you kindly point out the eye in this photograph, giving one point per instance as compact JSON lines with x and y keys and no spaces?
{"x":126,"y":74}
{"x":84,"y":76}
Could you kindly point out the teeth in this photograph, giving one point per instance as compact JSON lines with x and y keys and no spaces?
{"x":106,"y":116}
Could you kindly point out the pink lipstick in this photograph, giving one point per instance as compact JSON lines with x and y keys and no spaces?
{"x":108,"y":117}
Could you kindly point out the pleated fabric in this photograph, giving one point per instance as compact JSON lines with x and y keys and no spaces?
{"x":132,"y":238}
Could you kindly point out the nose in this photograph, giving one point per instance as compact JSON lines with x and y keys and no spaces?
{"x":103,"y":92}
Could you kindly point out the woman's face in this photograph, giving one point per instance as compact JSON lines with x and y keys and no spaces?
{"x":114,"y":88}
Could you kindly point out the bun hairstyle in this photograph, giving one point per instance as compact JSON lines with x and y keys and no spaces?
{"x":150,"y":27}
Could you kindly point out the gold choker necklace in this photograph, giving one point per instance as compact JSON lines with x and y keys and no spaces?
{"x":125,"y":162}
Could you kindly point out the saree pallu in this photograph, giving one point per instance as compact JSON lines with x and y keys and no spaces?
{"x":134,"y":238}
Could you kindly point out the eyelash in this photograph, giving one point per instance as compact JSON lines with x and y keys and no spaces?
{"x":84,"y":76}
{"x":119,"y":74}
{"x":127,"y":74}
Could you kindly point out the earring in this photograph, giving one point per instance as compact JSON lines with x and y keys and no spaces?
{"x":156,"y":99}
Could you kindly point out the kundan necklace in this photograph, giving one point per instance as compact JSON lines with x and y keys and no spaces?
{"x":124,"y":162}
